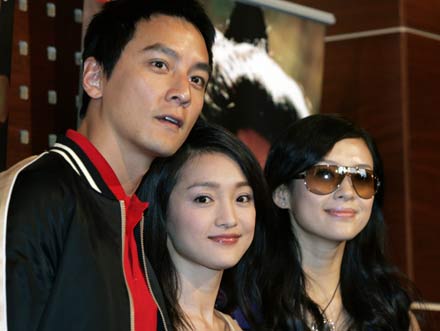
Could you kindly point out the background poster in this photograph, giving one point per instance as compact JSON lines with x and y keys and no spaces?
{"x":268,"y":66}
{"x":267,"y":70}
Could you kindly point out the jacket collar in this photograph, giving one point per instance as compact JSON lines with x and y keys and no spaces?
{"x":74,"y":151}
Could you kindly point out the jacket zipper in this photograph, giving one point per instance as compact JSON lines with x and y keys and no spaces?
{"x":146,"y":274}
{"x":123,"y":226}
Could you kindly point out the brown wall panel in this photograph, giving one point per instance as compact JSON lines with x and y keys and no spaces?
{"x":363,"y":15}
{"x":429,"y":320}
{"x":424,"y":121}
{"x":433,"y":319}
{"x":362,"y":81}
{"x":19,"y":110}
{"x":360,"y":15}
{"x":423,"y":15}
{"x":68,"y":41}
{"x":42,"y":73}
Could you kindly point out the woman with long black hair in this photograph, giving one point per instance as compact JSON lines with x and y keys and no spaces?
{"x":206,"y":214}
{"x":329,"y":271}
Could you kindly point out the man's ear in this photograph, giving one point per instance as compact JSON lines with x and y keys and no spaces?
{"x":92,"y":78}
{"x":281,"y":197}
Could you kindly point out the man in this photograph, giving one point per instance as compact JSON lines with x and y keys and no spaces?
{"x":74,"y":230}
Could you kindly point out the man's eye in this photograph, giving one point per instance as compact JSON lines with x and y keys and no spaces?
{"x":199,"y":81}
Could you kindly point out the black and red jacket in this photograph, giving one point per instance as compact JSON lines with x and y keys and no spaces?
{"x":64,"y":233}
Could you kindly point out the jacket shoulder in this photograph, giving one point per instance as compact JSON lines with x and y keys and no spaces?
{"x":42,"y":191}
{"x":49,"y":172}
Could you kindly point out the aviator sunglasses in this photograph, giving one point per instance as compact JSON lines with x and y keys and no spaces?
{"x":324,"y":179}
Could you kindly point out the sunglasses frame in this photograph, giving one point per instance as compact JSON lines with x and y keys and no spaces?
{"x":343,"y":171}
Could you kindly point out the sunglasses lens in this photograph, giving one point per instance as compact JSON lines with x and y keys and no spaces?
{"x":364,"y":184}
{"x":322,"y":179}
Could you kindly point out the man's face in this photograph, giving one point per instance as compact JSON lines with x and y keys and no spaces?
{"x":155,"y":93}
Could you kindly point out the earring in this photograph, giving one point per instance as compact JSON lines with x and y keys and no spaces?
{"x":281,"y":196}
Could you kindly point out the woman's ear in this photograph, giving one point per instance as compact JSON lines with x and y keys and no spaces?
{"x":92,"y":78}
{"x":281,"y":197}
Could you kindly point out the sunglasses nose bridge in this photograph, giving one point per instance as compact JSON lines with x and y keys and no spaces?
{"x":346,"y":179}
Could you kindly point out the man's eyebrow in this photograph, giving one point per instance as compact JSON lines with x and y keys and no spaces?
{"x":202,"y":66}
{"x":159,"y":47}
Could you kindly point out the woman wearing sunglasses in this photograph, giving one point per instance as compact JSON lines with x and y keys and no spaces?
{"x":329,"y":271}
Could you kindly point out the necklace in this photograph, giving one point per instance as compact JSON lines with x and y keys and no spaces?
{"x":329,"y":325}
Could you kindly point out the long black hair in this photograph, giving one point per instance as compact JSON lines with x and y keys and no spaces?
{"x":373,"y":291}
{"x":238,"y":286}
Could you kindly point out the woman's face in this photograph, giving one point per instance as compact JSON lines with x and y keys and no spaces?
{"x":337,"y":216}
{"x":211,"y":214}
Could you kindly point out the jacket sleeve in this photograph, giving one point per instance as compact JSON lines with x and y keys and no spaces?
{"x":34,"y":244}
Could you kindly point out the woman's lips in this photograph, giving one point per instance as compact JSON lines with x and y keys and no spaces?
{"x":226,"y":239}
{"x":346,"y":212}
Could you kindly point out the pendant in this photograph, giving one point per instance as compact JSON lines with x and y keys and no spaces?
{"x":328,"y":325}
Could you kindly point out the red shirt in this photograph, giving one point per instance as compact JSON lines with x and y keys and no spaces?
{"x":145,"y":309}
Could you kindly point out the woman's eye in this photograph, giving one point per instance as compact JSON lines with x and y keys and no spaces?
{"x":363,"y":173}
{"x":159,"y":64}
{"x":245,"y":198}
{"x":325,"y":174}
{"x":203,"y":199}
